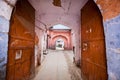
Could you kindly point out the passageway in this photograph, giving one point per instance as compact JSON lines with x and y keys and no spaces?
{"x":34,"y":33}
{"x":58,"y":65}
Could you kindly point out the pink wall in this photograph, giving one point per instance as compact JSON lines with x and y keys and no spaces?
{"x":60,"y":34}
{"x":39,"y":43}
{"x":53,"y":41}
{"x":48,"y":15}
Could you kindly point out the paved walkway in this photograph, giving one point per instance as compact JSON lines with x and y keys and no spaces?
{"x":58,"y":65}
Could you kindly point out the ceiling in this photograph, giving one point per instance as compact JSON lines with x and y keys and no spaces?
{"x":67,"y":12}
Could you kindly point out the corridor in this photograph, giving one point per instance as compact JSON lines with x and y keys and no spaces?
{"x":40,"y":38}
{"x":58,"y":65}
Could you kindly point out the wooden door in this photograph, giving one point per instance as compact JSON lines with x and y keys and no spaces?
{"x":20,"y":64}
{"x":93,"y":56}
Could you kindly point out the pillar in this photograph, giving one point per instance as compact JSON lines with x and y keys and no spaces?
{"x":5,"y":14}
{"x":4,"y":28}
{"x":112,"y":34}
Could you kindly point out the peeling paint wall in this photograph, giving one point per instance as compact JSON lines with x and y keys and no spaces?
{"x":112,"y":35}
{"x":6,"y":7}
{"x":4,"y":28}
{"x":109,"y":8}
{"x":111,"y":18}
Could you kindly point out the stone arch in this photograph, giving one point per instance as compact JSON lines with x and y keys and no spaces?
{"x":53,"y":40}
{"x":59,"y":44}
{"x":109,"y":9}
{"x":60,"y":36}
{"x":111,"y":26}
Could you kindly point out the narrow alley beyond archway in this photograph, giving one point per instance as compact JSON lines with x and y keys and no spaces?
{"x":58,"y":65}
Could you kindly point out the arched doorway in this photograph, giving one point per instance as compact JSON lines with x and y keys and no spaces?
{"x":57,"y":32}
{"x":59,"y":44}
{"x":93,"y":55}
{"x":62,"y":38}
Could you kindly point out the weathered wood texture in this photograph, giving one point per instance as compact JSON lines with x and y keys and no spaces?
{"x":21,"y":42}
{"x":93,"y":62}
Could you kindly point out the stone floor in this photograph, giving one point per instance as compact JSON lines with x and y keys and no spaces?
{"x":58,"y":65}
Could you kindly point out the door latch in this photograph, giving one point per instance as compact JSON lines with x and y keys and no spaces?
{"x":84,"y":46}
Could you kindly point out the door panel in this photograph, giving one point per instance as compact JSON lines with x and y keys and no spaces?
{"x":93,"y":58}
{"x":21,"y":42}
{"x":85,"y":32}
{"x":18,"y":72}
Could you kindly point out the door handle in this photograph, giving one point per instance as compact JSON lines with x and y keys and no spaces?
{"x":84,"y":46}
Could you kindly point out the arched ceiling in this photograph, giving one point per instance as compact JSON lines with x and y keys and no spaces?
{"x":67,"y":13}
{"x":67,"y":6}
{"x":109,"y":9}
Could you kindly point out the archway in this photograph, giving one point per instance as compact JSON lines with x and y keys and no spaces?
{"x":59,"y":32}
{"x":93,"y":54}
{"x":63,"y":38}
{"x":59,"y":44}
{"x":110,"y":26}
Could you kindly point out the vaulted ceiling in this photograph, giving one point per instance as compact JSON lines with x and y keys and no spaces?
{"x":52,"y":12}
{"x":67,"y":6}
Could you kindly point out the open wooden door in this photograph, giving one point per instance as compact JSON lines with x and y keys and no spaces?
{"x":93,"y":56}
{"x":21,"y":42}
